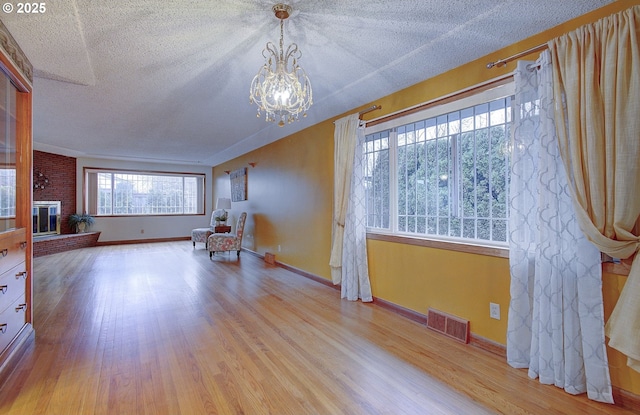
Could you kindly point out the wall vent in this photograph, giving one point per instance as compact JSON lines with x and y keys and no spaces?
{"x":269,"y":258}
{"x":449,"y":325}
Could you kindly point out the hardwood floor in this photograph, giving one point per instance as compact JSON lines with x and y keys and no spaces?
{"x":162,"y":329}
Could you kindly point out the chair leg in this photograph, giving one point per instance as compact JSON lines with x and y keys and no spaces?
{"x":238,"y":253}
{"x":194,"y":244}
{"x":210,"y":254}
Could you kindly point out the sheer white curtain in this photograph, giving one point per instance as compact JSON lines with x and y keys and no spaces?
{"x":556,"y":318}
{"x":348,"y":262}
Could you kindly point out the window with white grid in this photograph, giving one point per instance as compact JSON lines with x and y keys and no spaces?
{"x":121,"y":193}
{"x":377,"y":179}
{"x":7,"y":193}
{"x":443,"y":173}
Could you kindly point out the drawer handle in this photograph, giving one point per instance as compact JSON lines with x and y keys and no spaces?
{"x":3,"y":328}
{"x":21,"y":274}
{"x":3,"y":288}
{"x":5,"y":252}
{"x":21,"y":307}
{"x":23,"y":244}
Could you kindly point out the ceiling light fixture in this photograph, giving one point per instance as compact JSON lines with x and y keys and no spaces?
{"x":281,"y":88}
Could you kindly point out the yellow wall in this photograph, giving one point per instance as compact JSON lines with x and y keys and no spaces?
{"x":458,"y":283}
{"x":290,"y":198}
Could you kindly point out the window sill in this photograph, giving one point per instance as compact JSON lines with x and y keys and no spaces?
{"x":440,"y":244}
{"x":621,"y":268}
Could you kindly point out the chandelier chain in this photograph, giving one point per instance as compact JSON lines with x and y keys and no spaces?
{"x":281,"y":39}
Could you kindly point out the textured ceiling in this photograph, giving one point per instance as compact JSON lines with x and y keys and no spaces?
{"x":168,"y":80}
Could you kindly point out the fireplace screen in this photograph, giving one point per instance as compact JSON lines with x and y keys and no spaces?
{"x":46,"y":218}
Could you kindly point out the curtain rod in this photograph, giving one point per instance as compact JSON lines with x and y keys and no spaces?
{"x":371,"y":108}
{"x":365,"y":111}
{"x":491,"y":83}
{"x":504,"y":61}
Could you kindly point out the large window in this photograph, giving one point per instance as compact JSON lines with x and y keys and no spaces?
{"x":120,"y":193}
{"x":444,"y":172}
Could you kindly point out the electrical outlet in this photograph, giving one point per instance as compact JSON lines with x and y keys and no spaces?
{"x":279,"y":248}
{"x":494,"y":311}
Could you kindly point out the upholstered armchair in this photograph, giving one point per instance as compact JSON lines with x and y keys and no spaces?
{"x":228,"y":242}
{"x":202,"y":234}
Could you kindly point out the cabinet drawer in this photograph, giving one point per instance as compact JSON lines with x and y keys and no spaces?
{"x":13,"y":247}
{"x":12,"y":285}
{"x":11,"y":321}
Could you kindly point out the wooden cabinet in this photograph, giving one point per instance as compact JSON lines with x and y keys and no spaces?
{"x":16,"y":184}
{"x":13,"y":247}
{"x":13,"y":275}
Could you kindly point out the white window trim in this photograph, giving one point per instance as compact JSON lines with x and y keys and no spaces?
{"x":89,"y":205}
{"x":481,"y":97}
{"x":491,"y":248}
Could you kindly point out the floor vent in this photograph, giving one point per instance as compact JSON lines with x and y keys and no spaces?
{"x":448,"y":325}
{"x":269,"y":258}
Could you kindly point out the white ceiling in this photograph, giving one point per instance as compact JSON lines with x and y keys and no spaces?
{"x":168,"y":80}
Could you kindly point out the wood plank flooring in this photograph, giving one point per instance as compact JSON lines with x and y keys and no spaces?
{"x":162,"y":329}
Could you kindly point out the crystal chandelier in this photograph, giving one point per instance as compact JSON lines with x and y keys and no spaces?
{"x":281,"y":88}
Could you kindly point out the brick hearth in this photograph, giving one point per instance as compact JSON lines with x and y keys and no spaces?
{"x":46,"y":245}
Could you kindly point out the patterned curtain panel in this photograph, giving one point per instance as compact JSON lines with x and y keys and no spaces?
{"x":556,"y":317}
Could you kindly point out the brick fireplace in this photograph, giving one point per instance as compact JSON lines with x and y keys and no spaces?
{"x":60,"y":172}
